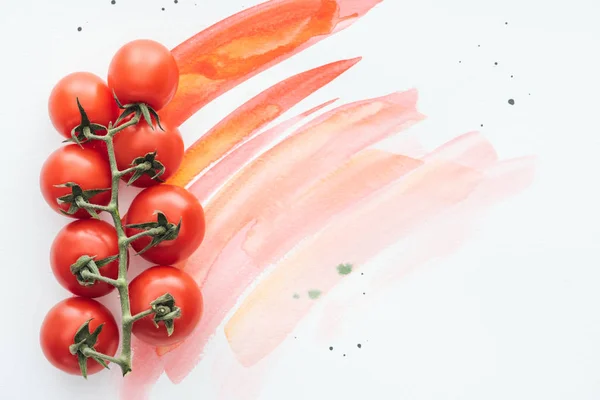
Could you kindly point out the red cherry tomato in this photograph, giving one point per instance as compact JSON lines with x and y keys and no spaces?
{"x":144,"y":71}
{"x":61,"y":323}
{"x":88,"y":237}
{"x":138,"y":140}
{"x":83,"y":166}
{"x":176,"y":203}
{"x":155,"y":282}
{"x":94,"y":95}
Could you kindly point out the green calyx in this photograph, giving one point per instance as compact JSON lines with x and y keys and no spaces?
{"x":78,"y":198}
{"x":160,"y":231}
{"x":82,"y":132}
{"x":165,"y":311}
{"x":142,"y":109}
{"x":147,"y":165}
{"x":84,"y":339}
{"x":87,"y":263}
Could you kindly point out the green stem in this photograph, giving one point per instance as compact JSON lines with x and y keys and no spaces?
{"x":92,"y":353}
{"x":150,"y":232}
{"x":90,"y":275}
{"x":143,"y":314}
{"x":141,"y":167}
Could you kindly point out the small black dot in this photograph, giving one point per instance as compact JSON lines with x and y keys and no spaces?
{"x":175,"y":1}
{"x":331,"y":348}
{"x":460,"y":62}
{"x":506,"y":23}
{"x":359,"y":345}
{"x":529,"y":94}
{"x":113,"y":1}
{"x":482,"y":125}
{"x":163,"y":9}
{"x":344,"y":355}
{"x":496,"y":63}
{"x":79,"y":29}
{"x":512,"y":76}
{"x":511,"y":102}
{"x":478,"y":45}
{"x":364,"y":293}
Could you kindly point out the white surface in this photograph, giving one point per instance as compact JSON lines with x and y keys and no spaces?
{"x":513,"y":315}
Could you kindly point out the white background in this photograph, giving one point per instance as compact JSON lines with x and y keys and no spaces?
{"x":512,"y":315}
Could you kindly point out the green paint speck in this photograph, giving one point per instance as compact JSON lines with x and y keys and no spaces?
{"x":314,"y":294}
{"x":296,"y":296}
{"x":344,"y":269}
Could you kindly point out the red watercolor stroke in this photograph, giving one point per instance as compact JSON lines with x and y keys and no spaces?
{"x":245,"y":44}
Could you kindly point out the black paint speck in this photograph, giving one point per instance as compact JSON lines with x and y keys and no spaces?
{"x":496,"y":63}
{"x":362,"y":273}
{"x":512,"y":76}
{"x":113,"y":1}
{"x":478,"y":45}
{"x":176,"y":1}
{"x":359,"y":345}
{"x":330,"y":348}
{"x":364,"y":293}
{"x":482,"y":125}
{"x":163,"y":9}
{"x":511,"y":102}
{"x":460,"y":62}
{"x":344,"y":355}
{"x":506,"y":23}
{"x":79,"y":29}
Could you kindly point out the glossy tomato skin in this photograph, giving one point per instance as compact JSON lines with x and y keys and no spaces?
{"x":94,"y":95}
{"x":89,"y":237}
{"x":176,"y":203}
{"x":155,"y":282}
{"x":139,"y":140}
{"x":62,"y":322}
{"x":144,"y":71}
{"x":84,"y":166}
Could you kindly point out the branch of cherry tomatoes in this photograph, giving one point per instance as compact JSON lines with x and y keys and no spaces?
{"x":114,"y":134}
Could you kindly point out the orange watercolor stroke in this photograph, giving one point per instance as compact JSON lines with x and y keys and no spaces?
{"x":253,"y":115}
{"x":245,"y":44}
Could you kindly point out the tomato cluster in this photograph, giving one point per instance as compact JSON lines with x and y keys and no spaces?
{"x":79,"y":334}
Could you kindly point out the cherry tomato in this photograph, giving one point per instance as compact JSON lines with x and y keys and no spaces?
{"x":94,"y":95}
{"x":61,"y":323}
{"x":155,"y":282}
{"x":176,"y":203}
{"x":83,"y":166}
{"x":144,"y":71}
{"x":138,"y":140}
{"x":88,"y":237}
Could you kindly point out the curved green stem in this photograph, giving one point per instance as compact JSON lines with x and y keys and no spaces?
{"x":89,"y":275}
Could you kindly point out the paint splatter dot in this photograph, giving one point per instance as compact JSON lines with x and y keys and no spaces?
{"x":511,"y":102}
{"x":296,"y":296}
{"x":79,"y":29}
{"x":359,"y":345}
{"x":506,"y":23}
{"x":163,"y":9}
{"x":478,"y":45}
{"x":330,"y":348}
{"x":176,"y":1}
{"x":460,"y":62}
{"x":314,"y":294}
{"x":482,"y":125}
{"x":344,"y":269}
{"x":496,"y":63}
{"x":113,"y":1}
{"x":344,"y":355}
{"x":364,"y":293}
{"x":512,"y":76}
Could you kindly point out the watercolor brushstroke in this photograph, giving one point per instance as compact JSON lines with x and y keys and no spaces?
{"x":313,"y":264}
{"x":352,"y":122}
{"x":252,"y":116}
{"x":249,"y":42}
{"x":215,"y":176}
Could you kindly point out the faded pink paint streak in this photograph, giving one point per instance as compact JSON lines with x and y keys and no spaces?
{"x":218,"y":174}
{"x":414,"y":199}
{"x":275,"y":179}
